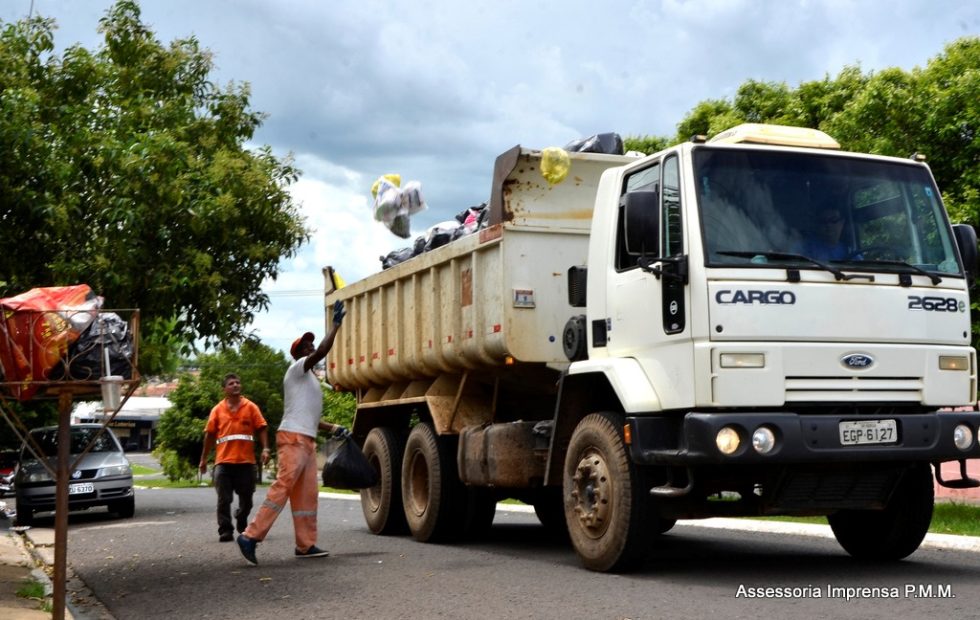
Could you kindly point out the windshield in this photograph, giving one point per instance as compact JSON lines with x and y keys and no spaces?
{"x":80,"y":438}
{"x":761,"y":207}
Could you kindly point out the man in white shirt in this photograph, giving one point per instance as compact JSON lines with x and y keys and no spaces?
{"x":297,"y":476}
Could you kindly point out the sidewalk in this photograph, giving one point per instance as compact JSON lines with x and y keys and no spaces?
{"x":29,"y":556}
{"x":17,"y":569}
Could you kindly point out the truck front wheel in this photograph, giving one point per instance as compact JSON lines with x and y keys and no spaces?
{"x":382,"y":503}
{"x":432,"y":495}
{"x":605,"y":501}
{"x":895,"y":532}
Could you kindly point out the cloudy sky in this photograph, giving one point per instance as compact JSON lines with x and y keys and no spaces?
{"x":436,"y":89}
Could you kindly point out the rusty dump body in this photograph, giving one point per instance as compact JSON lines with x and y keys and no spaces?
{"x":468,"y":327}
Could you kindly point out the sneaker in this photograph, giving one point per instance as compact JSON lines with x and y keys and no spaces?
{"x":226,"y":537}
{"x":312,"y":552}
{"x":247,"y":546}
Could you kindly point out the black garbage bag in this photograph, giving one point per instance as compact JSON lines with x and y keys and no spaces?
{"x":397,"y":256}
{"x":107,"y":335}
{"x":608,"y":143}
{"x":347,"y":467}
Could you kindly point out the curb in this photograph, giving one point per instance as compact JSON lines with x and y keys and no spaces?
{"x":80,"y":602}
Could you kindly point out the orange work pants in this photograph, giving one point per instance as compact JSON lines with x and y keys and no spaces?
{"x":296,"y":481}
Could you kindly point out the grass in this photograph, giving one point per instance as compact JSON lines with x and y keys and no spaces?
{"x":33,"y":590}
{"x":142,"y":470}
{"x":947,"y":518}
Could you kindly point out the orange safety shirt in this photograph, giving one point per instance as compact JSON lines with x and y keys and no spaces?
{"x":235,"y":431}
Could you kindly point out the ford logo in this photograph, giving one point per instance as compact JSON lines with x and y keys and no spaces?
{"x":857,"y":360}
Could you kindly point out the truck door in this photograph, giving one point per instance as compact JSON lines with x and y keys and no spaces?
{"x":642,"y":305}
{"x":649,"y":314}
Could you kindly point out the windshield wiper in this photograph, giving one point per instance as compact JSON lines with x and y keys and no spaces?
{"x":900,"y":263}
{"x":838,"y":274}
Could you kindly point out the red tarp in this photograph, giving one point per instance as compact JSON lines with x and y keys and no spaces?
{"x":35,"y":332}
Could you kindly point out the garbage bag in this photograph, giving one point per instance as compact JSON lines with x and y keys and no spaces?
{"x":108,"y":337}
{"x":555,"y":164}
{"x":609,"y":143}
{"x":347,"y":467}
{"x":36,"y":328}
{"x":397,"y":256}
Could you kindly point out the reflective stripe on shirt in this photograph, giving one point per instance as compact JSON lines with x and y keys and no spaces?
{"x":235,"y":438}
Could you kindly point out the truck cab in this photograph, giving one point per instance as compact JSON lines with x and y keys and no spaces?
{"x":780,"y":323}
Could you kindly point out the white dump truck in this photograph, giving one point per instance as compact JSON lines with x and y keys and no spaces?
{"x":755,"y":324}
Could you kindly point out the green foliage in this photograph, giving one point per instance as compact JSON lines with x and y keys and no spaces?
{"x":175,"y":467}
{"x":647,"y":145}
{"x":261,"y":368}
{"x":32,"y":414}
{"x":125,"y":168}
{"x":339,"y":407}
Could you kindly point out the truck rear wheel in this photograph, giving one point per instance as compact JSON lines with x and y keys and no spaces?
{"x":605,"y":503}
{"x":895,"y":532}
{"x":382,"y":503}
{"x":432,"y":495}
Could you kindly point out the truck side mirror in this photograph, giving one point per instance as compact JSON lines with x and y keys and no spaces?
{"x":641,"y":219}
{"x":966,"y":241}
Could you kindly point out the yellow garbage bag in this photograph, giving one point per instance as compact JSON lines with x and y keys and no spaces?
{"x":555,"y":164}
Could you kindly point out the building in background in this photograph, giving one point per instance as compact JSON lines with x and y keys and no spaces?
{"x":135,"y":424}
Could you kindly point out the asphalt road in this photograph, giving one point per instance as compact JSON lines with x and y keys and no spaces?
{"x":167,"y":563}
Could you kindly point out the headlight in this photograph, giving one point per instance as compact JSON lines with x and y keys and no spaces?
{"x":727,"y":440}
{"x":38,"y":475}
{"x":114,"y":470}
{"x":962,"y":436}
{"x":763,"y":440}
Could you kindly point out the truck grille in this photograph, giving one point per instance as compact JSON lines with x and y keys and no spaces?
{"x":811,"y":490}
{"x":893,"y":389}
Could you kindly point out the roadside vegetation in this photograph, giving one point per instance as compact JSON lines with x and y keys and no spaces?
{"x":33,"y":590}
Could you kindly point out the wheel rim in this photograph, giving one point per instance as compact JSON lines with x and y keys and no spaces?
{"x":592,"y":493}
{"x":418,"y":477}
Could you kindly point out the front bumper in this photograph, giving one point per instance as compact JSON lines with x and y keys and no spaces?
{"x":689,"y":439}
{"x":42,"y":496}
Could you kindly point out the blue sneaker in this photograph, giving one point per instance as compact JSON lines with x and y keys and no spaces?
{"x":312,"y":552}
{"x":247,"y":546}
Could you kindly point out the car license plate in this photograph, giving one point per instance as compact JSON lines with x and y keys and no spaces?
{"x":80,"y":488}
{"x":868,"y":432}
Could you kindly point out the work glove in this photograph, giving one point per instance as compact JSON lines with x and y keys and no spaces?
{"x":338,"y":312}
{"x":341,"y":433}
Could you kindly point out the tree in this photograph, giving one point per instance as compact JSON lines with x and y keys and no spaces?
{"x":261,"y":368}
{"x":125,"y":168}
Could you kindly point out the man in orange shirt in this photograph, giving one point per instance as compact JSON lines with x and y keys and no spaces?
{"x":232,"y":426}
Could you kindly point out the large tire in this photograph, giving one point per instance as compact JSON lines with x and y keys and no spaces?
{"x":605,"y":501}
{"x":124,"y":508}
{"x":25,"y":515}
{"x":432,"y":495}
{"x":382,"y":503}
{"x":895,"y":532}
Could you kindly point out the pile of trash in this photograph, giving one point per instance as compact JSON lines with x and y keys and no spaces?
{"x":60,"y":333}
{"x":467,"y":222}
{"x":394,"y":205}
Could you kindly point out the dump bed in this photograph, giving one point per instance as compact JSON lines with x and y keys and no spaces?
{"x":496,"y":294}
